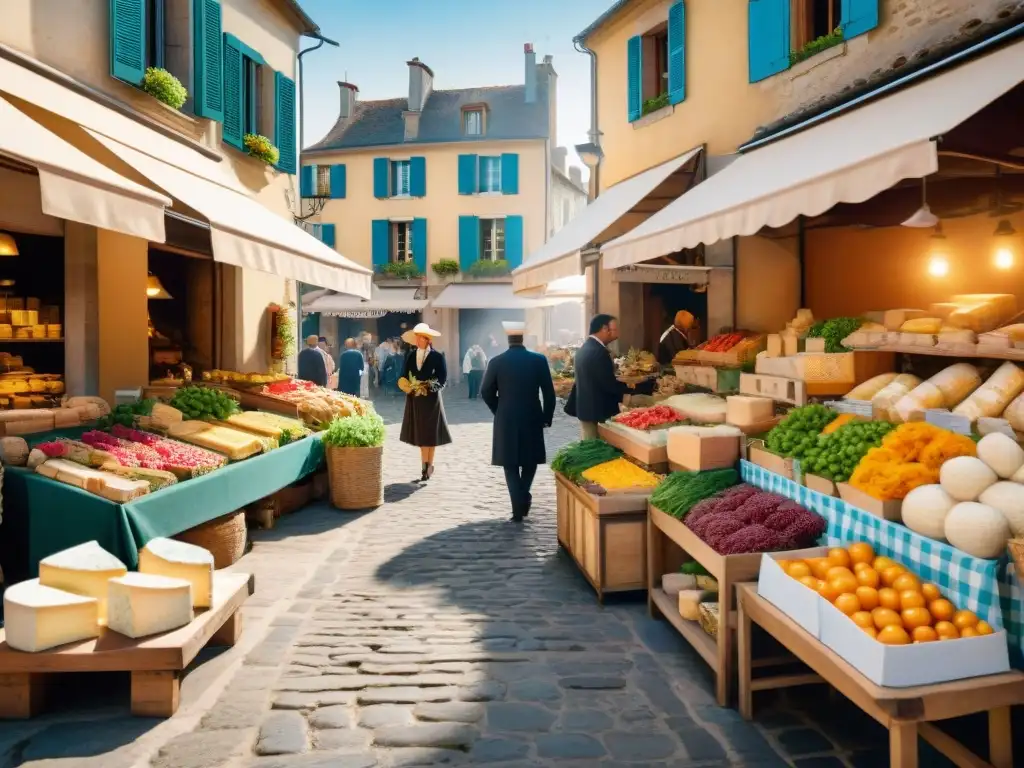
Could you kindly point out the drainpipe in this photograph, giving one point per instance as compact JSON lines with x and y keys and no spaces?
{"x":594,"y":135}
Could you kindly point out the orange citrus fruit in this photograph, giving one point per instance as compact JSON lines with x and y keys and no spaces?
{"x":863,"y":619}
{"x":946,"y":631}
{"x":858,"y":567}
{"x":969,"y":632}
{"x":941,"y":609}
{"x":839,"y":556}
{"x":893,"y":635}
{"x":886,"y":617}
{"x":784,"y":565}
{"x":868,"y":597}
{"x":848,"y":603}
{"x":983,"y":628}
{"x":880,"y":563}
{"x":844,"y":582}
{"x":799,"y":569}
{"x":924,"y":634}
{"x":829,"y":591}
{"x":930,"y":592}
{"x":889,"y":598}
{"x":838,"y":570}
{"x":906,"y":581}
{"x":964,"y":619}
{"x":870,"y":631}
{"x":868,"y":576}
{"x":916,"y":617}
{"x":809,"y":581}
{"x":890,"y":574}
{"x":819,"y":566}
{"x":861,"y":552}
{"x":910,"y":598}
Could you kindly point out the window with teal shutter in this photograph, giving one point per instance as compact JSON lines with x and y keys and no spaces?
{"x":381,"y":246}
{"x":467,"y":174}
{"x":634,"y":75}
{"x":339,"y":182}
{"x":284,"y":122}
{"x":233,"y":98}
{"x":767,"y":37}
{"x":128,"y":33}
{"x":418,"y":176}
{"x":514,"y":241}
{"x":307,"y":181}
{"x":510,"y":173}
{"x":208,"y":60}
{"x":381,"y":169}
{"x":327,"y":234}
{"x":469,"y":242}
{"x":858,"y":17}
{"x":677,"y":53}
{"x":419,"y":244}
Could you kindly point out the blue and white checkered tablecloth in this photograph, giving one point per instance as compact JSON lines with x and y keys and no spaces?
{"x":988,"y":587}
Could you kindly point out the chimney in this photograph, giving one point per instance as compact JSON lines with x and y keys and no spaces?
{"x":531,"y":73}
{"x":576,"y":176}
{"x":421,"y":81}
{"x":349,"y":93}
{"x":558,"y":156}
{"x":547,"y":75}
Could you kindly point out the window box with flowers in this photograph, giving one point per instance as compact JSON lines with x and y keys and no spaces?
{"x":445,"y":268}
{"x":261,"y":148}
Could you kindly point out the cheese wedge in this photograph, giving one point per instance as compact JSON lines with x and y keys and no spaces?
{"x":178,"y":560}
{"x":82,"y":570}
{"x":37,"y":617}
{"x":122,"y":489}
{"x":142,"y":604}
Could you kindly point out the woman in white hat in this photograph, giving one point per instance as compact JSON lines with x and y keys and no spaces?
{"x":424,"y":424}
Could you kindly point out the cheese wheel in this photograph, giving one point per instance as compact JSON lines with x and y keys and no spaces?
{"x":180,"y":560}
{"x":142,"y":604}
{"x":37,"y":617}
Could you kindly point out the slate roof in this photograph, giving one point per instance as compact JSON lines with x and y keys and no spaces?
{"x":380,"y":123}
{"x":600,"y":20}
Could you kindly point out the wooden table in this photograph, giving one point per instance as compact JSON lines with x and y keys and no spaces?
{"x":906,"y":712}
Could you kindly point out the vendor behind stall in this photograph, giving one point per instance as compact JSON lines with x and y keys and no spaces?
{"x":677,"y":338}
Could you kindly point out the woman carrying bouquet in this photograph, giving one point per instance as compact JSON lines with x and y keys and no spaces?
{"x":424,"y":375}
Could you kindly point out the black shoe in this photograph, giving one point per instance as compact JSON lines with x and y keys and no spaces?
{"x":424,"y":476}
{"x":428,"y":472}
{"x":516,"y":519}
{"x":526,"y":507}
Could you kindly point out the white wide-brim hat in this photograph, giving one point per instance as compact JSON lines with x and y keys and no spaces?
{"x":421,"y":329}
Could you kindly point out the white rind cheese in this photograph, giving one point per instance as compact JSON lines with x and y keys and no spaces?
{"x":141,"y":604}
{"x":37,"y":617}
{"x":179,"y":560}
{"x":82,"y":570}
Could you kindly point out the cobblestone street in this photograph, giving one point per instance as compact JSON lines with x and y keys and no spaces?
{"x":433,"y":631}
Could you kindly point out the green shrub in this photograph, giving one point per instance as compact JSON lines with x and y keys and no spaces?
{"x":261,"y":148}
{"x":164,"y":87}
{"x":355,"y":432}
{"x":404,"y":270}
{"x":653,"y":105}
{"x":445,"y":267}
{"x":487,"y":268}
{"x":814,"y":47}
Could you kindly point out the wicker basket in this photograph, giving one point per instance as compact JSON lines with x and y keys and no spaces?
{"x":356,"y":477}
{"x":223,"y":537}
{"x":1016,"y":547}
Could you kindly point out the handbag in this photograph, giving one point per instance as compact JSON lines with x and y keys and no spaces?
{"x":570,"y":403}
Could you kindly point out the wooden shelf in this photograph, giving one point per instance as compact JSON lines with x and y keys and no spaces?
{"x":32,"y":341}
{"x":702,"y":642}
{"x":1016,"y":355}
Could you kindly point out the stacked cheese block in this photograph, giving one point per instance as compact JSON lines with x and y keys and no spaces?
{"x":82,"y":589}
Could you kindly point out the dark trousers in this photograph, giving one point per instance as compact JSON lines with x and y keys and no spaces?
{"x":474,"y":377}
{"x":519,"y":481}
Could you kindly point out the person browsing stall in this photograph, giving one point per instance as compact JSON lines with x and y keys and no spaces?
{"x":596,"y":394}
{"x":311,"y":363}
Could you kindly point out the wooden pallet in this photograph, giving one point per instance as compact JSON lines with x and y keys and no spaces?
{"x":156,"y":663}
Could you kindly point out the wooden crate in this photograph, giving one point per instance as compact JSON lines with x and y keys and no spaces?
{"x":655,"y":458}
{"x":289,"y":499}
{"x":156,"y":663}
{"x":605,"y":535}
{"x":254,"y":401}
{"x":782,"y":390}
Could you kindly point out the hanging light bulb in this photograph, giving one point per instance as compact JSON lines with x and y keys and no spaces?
{"x":1004,"y":258}
{"x":938,"y":266}
{"x":923,"y":217}
{"x":1004,"y":250}
{"x":155,"y":289}
{"x":938,"y":263}
{"x":7,"y":245}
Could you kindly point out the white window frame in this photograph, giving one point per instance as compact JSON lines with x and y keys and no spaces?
{"x":473,"y":119}
{"x":496,"y":227}
{"x":490,"y":174}
{"x":322,"y":181}
{"x":400,"y":247}
{"x":396,"y":174}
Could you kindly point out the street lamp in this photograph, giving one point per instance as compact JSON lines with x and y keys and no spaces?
{"x":590,"y":153}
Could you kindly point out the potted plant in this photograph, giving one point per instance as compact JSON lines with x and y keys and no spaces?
{"x":401,"y":270}
{"x":164,"y":87}
{"x":445,"y":268}
{"x":261,"y":148}
{"x":355,"y":461}
{"x":488,"y":268}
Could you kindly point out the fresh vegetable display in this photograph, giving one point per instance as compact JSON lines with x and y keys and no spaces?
{"x":181,"y":459}
{"x":576,"y":458}
{"x":837,"y":454}
{"x":637,"y":362}
{"x":204,"y":403}
{"x":723,"y":342}
{"x":680,"y":491}
{"x":126,"y":414}
{"x":670,"y":385}
{"x":834,"y":331}
{"x":648,"y":418}
{"x":620,"y":474}
{"x":798,"y":432}
{"x":883,"y":598}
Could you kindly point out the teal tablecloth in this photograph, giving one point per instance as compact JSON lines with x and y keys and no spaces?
{"x":42,"y":516}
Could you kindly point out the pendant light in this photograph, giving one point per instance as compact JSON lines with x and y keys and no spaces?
{"x":938,"y":262}
{"x":7,"y":245}
{"x":923,"y":217}
{"x":1003,"y":236}
{"x":155,"y":289}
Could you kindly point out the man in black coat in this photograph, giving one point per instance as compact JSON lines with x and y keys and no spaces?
{"x":311,"y":363}
{"x":514,"y":383}
{"x":597,"y":393}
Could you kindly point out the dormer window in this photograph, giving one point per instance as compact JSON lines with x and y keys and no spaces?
{"x":473,"y":121}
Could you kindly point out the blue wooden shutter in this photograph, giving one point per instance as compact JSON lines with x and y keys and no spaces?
{"x":467,"y":174}
{"x":767,"y":37}
{"x":284,"y":122}
{"x":634,"y":83}
{"x":327,"y":234}
{"x":339,"y":181}
{"x":233,"y":92}
{"x":469,"y":241}
{"x":509,"y":173}
{"x":381,"y":169}
{"x":128,"y":34}
{"x":208,"y":60}
{"x":858,"y":17}
{"x":418,"y":176}
{"x":677,"y":53}
{"x":419,"y":244}
{"x":307,"y":181}
{"x":381,"y":246}
{"x":514,"y":241}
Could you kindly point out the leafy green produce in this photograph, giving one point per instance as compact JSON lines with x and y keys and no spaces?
{"x":835,"y":456}
{"x":834,"y":331}
{"x":126,"y":413}
{"x":365,"y":431}
{"x":798,"y":432}
{"x":204,"y":403}
{"x":576,"y":458}
{"x":681,"y":490}
{"x":693,"y":568}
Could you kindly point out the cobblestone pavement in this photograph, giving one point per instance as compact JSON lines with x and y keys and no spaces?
{"x":433,"y":631}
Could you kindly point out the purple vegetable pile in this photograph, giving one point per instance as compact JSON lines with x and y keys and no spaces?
{"x":745,"y":519}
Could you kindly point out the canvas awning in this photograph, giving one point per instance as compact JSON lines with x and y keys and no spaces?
{"x":847,"y":159}
{"x":604,"y":218}
{"x":386,"y":299}
{"x":492,"y":296}
{"x":75,"y":187}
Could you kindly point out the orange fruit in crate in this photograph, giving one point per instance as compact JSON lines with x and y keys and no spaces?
{"x":868,"y":576}
{"x":941,"y":609}
{"x":930,"y":592}
{"x":946,"y":631}
{"x":924,"y":635}
{"x":886,"y":617}
{"x":870,"y":631}
{"x":881,"y":562}
{"x":916,"y":617}
{"x":839,"y":556}
{"x":810,"y":582}
{"x":829,"y":591}
{"x":964,"y":619}
{"x":911,"y":599}
{"x":848,"y":603}
{"x":861,"y":552}
{"x":863,"y":619}
{"x":906,"y":581}
{"x":889,"y":598}
{"x":868,"y":597}
{"x":983,"y":628}
{"x":798,"y":569}
{"x":893,"y":635}
{"x":819,"y":566}
{"x":784,"y":565}
{"x":969,"y":632}
{"x":844,"y":582}
{"x":838,"y":570}
{"x":890,"y":574}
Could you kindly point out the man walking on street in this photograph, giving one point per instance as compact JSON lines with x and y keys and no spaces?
{"x":596,"y":395}
{"x":473,"y":366}
{"x":351,"y":369}
{"x":312,"y":366}
{"x":514,"y":383}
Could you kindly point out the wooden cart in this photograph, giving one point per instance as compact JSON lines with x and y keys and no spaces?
{"x":156,"y":663}
{"x":906,"y":712}
{"x":605,"y":536}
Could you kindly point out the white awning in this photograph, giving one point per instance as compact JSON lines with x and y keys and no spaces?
{"x":492,"y":296}
{"x":387,"y":299}
{"x":246,"y":234}
{"x":848,"y":159}
{"x":73,"y":186}
{"x":561,"y":255}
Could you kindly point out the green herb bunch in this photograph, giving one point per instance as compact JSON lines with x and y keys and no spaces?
{"x":204,"y":403}
{"x":834,"y":331}
{"x":365,"y":431}
{"x":126,"y":413}
{"x":576,"y":458}
{"x":677,"y":494}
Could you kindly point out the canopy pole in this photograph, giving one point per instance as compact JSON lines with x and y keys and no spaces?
{"x":801,"y":259}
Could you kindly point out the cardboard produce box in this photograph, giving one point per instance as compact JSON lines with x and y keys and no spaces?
{"x":887,"y":510}
{"x":787,"y":594}
{"x":821,"y":484}
{"x":697,"y":449}
{"x":762,"y":457}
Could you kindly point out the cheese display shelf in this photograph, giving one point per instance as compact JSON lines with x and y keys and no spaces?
{"x":1013,"y":355}
{"x":42,"y":516}
{"x":156,"y":663}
